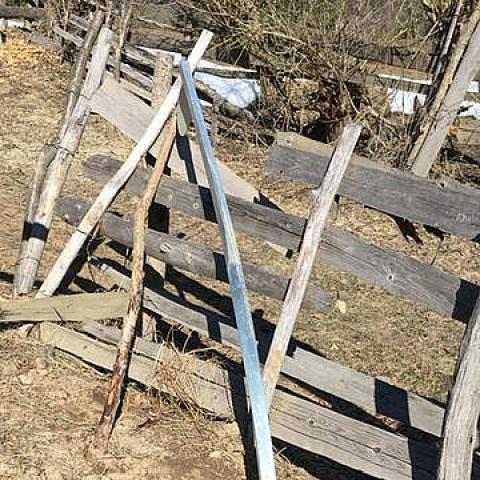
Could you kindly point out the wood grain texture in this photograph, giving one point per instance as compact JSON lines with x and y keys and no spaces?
{"x":54,"y":162}
{"x":300,"y":363}
{"x":317,"y":220}
{"x":189,"y":256}
{"x":294,"y":420}
{"x":388,"y":190}
{"x":460,"y":431}
{"x":400,"y":275}
{"x":65,"y":308}
{"x":450,"y":104}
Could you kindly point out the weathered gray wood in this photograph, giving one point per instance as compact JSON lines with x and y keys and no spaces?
{"x":294,"y":420}
{"x":111,"y":189}
{"x":57,"y":170}
{"x":316,"y":223}
{"x":21,"y":12}
{"x":460,"y":430}
{"x":401,"y":275}
{"x":21,"y":284}
{"x":189,"y":256}
{"x":388,"y":190}
{"x":450,"y":105}
{"x":132,"y":116}
{"x":65,"y":308}
{"x":310,"y":369}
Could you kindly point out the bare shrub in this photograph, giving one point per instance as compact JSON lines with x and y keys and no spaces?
{"x":308,"y":53}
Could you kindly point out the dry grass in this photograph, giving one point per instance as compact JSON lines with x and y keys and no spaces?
{"x":49,"y":405}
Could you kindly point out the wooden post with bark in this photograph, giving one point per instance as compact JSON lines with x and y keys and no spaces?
{"x":116,"y":183}
{"x":123,"y":24}
{"x":443,"y":106}
{"x":316,"y":223}
{"x":124,"y":349}
{"x":460,"y":428}
{"x":24,"y":277}
{"x":159,"y":215}
{"x":447,"y":43}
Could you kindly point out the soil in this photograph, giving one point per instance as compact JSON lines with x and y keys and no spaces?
{"x":50,"y":403}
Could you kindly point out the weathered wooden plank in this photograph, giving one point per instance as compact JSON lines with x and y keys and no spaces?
{"x":294,"y":420}
{"x":251,"y":218}
{"x":65,"y":308}
{"x":316,"y":223}
{"x":388,"y":190}
{"x":310,"y":369}
{"x":189,"y":256}
{"x":399,"y":274}
{"x":29,"y":13}
{"x":460,"y":430}
{"x":132,"y":116}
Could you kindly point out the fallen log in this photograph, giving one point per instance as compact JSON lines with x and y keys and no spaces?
{"x":189,"y":256}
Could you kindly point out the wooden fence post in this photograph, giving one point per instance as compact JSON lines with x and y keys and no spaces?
{"x":159,"y":215}
{"x":58,"y":169}
{"x":124,"y":349}
{"x":460,"y":430}
{"x":306,"y":260}
{"x":24,"y":279}
{"x":116,"y":183}
{"x":449,"y":95}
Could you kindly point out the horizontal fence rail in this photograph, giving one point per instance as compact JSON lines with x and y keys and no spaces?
{"x":452,"y":210}
{"x":399,"y":274}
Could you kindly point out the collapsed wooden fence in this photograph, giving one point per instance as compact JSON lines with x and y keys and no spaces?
{"x":297,"y":421}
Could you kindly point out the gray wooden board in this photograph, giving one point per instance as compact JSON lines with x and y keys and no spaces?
{"x":189,"y":256}
{"x":401,"y":275}
{"x":22,"y":12}
{"x":388,"y":190}
{"x":66,"y":308}
{"x":132,"y":117}
{"x":294,"y":420}
{"x":371,"y":394}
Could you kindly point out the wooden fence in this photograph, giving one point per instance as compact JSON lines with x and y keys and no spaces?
{"x":295,"y":420}
{"x":304,"y":424}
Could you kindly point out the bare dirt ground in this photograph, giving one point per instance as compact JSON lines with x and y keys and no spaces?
{"x":49,"y":404}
